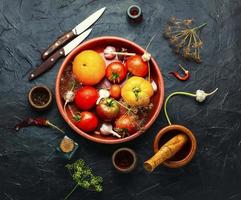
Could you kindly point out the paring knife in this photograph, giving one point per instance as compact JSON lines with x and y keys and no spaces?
{"x":49,"y":63}
{"x":80,"y":28}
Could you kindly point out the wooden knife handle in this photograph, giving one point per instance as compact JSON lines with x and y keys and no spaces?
{"x":57,"y":44}
{"x":47,"y":64}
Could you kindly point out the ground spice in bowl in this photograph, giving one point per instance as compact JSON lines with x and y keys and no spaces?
{"x":40,"y":97}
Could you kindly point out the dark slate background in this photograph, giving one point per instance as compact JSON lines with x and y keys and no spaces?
{"x":30,"y":168}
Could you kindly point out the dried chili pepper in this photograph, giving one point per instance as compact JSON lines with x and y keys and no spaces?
{"x":179,"y":77}
{"x":40,"y":122}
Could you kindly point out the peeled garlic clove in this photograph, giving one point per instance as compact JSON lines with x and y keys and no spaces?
{"x":154,"y":86}
{"x":146,"y":56}
{"x":108,"y":52}
{"x":103,"y":93}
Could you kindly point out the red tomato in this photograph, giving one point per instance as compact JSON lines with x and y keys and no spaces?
{"x":108,"y":109}
{"x":115,"y":72}
{"x":86,"y":121}
{"x":126,"y":123}
{"x":115,"y":91}
{"x":86,"y":97}
{"x":137,"y":66}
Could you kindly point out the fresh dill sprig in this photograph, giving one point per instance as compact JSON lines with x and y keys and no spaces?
{"x":83,"y":177}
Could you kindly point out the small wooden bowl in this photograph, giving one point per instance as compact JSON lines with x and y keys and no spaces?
{"x":124,"y":155}
{"x":187,"y":152}
{"x":43,"y":93}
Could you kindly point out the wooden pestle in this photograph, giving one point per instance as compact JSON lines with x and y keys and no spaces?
{"x":169,"y":149}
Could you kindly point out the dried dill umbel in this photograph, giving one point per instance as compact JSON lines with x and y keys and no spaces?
{"x":184,"y":38}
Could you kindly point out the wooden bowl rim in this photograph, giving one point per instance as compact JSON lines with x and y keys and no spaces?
{"x":82,"y":47}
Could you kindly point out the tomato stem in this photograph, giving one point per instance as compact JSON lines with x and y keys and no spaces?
{"x":77,"y":116}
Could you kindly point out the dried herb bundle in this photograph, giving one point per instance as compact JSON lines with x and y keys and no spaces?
{"x":184,"y":38}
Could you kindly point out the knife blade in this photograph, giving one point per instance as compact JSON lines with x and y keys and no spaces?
{"x":80,"y":28}
{"x":49,"y":63}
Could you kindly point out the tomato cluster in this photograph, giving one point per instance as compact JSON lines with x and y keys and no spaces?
{"x":88,"y":99}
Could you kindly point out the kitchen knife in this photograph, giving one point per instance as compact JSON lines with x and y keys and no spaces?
{"x":80,"y":28}
{"x":49,"y":63}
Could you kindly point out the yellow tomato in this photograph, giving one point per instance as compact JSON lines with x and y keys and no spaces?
{"x":89,"y":67}
{"x":137,"y":91}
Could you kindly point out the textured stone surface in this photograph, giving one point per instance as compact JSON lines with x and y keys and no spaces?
{"x":30,"y":168}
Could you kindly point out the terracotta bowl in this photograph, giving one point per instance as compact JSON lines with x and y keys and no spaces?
{"x":186,"y":154}
{"x":98,"y":44}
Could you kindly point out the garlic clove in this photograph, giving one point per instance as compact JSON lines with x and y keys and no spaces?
{"x":154,"y":85}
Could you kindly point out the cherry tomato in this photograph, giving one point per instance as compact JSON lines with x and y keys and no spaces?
{"x":126,"y":123}
{"x":115,"y":72}
{"x":137,"y":66}
{"x":86,"y":121}
{"x":115,"y":91}
{"x":86,"y":97}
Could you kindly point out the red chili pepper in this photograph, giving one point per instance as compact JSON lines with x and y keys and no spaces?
{"x":40,"y":122}
{"x":179,"y":77}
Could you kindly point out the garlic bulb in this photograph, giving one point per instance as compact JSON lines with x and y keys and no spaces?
{"x":107,"y":129}
{"x":201,"y":95}
{"x":69,"y":96}
{"x":146,"y":56}
{"x":108,"y":52}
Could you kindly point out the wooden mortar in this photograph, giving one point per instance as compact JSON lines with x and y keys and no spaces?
{"x":169,"y":149}
{"x":174,"y":146}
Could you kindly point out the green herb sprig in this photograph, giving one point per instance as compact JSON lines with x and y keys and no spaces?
{"x":83,"y":177}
